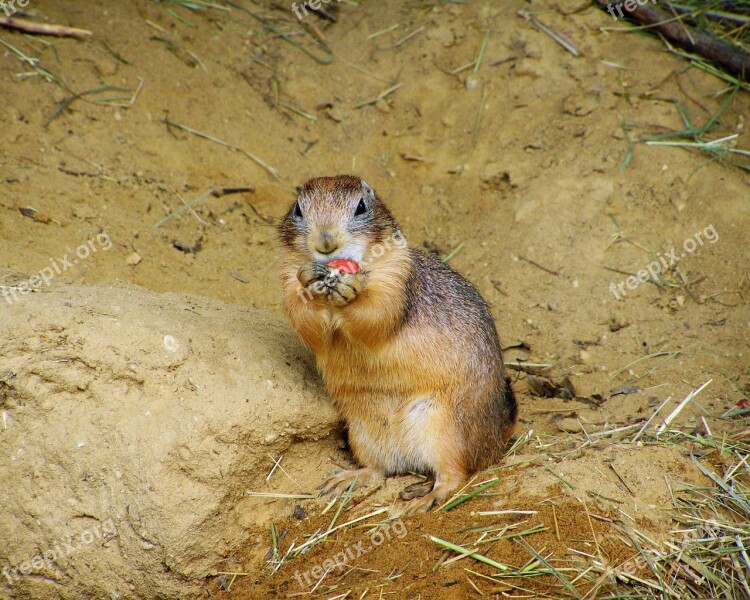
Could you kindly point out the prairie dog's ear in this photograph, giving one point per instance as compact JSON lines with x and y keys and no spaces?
{"x":369,"y":192}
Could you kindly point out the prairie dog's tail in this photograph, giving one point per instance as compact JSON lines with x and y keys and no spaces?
{"x":512,"y":407}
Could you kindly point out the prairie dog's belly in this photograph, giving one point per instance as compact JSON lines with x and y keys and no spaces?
{"x":362,"y":381}
{"x":414,"y":362}
{"x":391,"y":403}
{"x":397,"y":442}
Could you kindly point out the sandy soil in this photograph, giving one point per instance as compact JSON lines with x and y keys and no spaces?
{"x":519,"y":167}
{"x":133,"y":422}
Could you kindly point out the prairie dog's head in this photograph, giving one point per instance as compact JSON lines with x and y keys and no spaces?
{"x":339,"y":217}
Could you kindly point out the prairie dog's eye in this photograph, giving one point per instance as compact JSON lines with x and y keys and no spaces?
{"x":361,"y":208}
{"x":297,"y":210}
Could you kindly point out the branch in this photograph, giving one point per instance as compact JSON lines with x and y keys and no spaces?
{"x":734,"y":59}
{"x":44,"y":28}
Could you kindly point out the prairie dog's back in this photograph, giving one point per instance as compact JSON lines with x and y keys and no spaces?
{"x":438,"y":296}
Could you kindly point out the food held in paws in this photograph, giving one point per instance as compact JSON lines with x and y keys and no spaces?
{"x":345,"y":266}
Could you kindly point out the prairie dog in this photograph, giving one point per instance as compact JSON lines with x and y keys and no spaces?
{"x":406,"y":346}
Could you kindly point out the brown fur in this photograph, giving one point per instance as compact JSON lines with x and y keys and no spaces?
{"x":407,"y":347}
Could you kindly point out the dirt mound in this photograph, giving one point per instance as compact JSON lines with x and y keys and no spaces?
{"x":590,"y":504}
{"x":133,"y":423}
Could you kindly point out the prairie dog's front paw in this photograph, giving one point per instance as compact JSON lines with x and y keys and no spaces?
{"x":344,"y":287}
{"x":330,"y":284}
{"x":312,"y":276}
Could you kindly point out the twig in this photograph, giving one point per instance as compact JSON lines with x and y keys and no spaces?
{"x":219,"y":192}
{"x":216,"y":193}
{"x":733,"y":58}
{"x":471,"y":553}
{"x":404,"y":39}
{"x":380,"y":96}
{"x":679,"y":407}
{"x":363,"y":71}
{"x":216,"y":140}
{"x":133,"y":98}
{"x":648,"y":421}
{"x":480,"y":55}
{"x":66,"y":102}
{"x":190,"y":208}
{"x":44,"y":28}
{"x":461,"y":68}
{"x":555,"y":35}
{"x":318,"y":538}
{"x":382,"y":31}
{"x":538,"y":266}
{"x":453,"y":252}
{"x":474,"y":136}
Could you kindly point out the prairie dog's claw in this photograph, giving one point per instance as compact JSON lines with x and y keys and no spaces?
{"x":331,"y":284}
{"x":345,"y":288}
{"x":311,"y":272}
{"x":417,"y":490}
{"x":322,"y":486}
{"x":423,"y":504}
{"x":339,"y":481}
{"x":439,"y":493}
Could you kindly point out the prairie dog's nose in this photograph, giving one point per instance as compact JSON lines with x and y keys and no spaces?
{"x":326,"y":242}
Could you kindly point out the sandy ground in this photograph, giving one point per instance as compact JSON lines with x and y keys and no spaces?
{"x":132,"y":423}
{"x":520,"y":168}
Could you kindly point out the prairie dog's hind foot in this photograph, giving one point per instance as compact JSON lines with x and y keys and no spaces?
{"x":417,"y":490}
{"x":339,"y":481}
{"x":439,"y":493}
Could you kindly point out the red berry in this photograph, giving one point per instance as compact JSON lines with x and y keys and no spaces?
{"x":345,"y":266}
